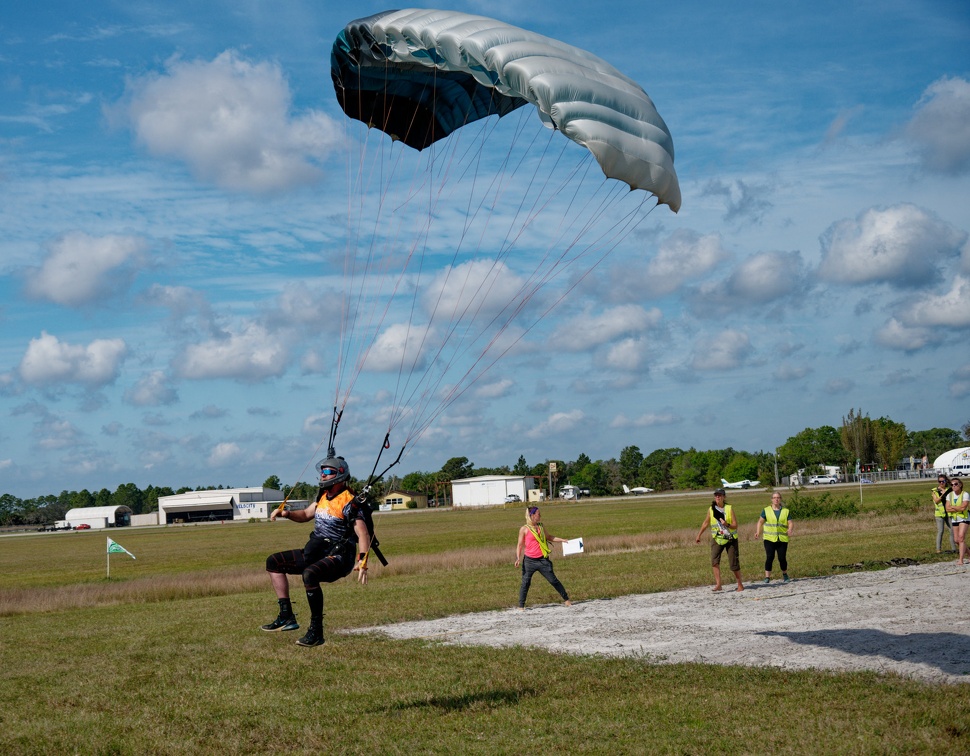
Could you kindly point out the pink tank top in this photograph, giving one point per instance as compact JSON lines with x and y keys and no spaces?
{"x":532,"y":549}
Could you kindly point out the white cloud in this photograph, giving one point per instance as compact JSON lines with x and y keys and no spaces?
{"x":649,"y":420}
{"x":627,"y":355}
{"x":684,"y":256}
{"x":766,"y":276}
{"x":475,"y":289}
{"x":722,"y":351}
{"x":49,"y":360}
{"x":940,"y":127}
{"x":229,"y":120}
{"x":949,"y":309}
{"x":152,"y":390}
{"x":251,"y":355}
{"x":79,"y":269}
{"x":900,"y":245}
{"x":494,"y":389}
{"x":224,"y":454}
{"x":789,"y":372}
{"x":587,"y":331}
{"x":399,"y":344}
{"x":559,"y":422}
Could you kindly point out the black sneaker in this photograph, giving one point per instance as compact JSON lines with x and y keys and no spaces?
{"x":281,"y":623}
{"x":313,"y":637}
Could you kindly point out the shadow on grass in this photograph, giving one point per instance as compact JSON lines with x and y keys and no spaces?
{"x":486,"y":699}
{"x":948,"y":652}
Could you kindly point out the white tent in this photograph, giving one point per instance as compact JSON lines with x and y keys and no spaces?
{"x":99,"y":517}
{"x":954,"y":462}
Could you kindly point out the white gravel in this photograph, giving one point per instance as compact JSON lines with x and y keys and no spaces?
{"x":909,"y":620}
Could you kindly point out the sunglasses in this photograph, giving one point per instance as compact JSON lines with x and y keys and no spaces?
{"x":328,"y":471}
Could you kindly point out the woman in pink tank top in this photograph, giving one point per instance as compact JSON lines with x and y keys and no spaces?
{"x":532,"y":552}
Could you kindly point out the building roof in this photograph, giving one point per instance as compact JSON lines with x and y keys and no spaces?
{"x":492,"y":477}
{"x":947,"y":458}
{"x":108,"y":512}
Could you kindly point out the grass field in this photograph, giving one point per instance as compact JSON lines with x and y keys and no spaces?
{"x":166,"y":656}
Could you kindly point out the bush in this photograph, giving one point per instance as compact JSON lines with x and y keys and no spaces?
{"x":412,"y":504}
{"x":818,"y":507}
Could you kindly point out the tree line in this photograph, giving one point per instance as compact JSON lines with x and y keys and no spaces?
{"x":877,"y":444}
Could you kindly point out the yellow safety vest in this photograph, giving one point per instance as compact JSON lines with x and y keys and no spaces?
{"x":716,"y":528}
{"x":954,"y":501}
{"x":940,"y":508}
{"x":776,"y":524}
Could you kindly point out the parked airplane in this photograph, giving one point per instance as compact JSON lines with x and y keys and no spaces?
{"x":637,"y":490}
{"x":741,"y":484}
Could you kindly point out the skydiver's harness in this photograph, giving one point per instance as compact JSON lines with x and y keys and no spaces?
{"x":361,"y":502}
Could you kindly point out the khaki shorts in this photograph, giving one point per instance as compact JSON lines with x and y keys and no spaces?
{"x":732,"y":551}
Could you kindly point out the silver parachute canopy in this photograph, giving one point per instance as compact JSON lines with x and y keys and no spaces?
{"x":420,"y":75}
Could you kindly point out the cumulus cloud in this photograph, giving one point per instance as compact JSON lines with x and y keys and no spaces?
{"x":229,"y":120}
{"x":477,"y":288}
{"x":224,"y":454}
{"x":152,"y":390}
{"x":627,"y":355}
{"x":48,"y":360}
{"x":649,"y":420}
{"x":744,"y":201}
{"x":839,"y":386}
{"x":588,"y":331}
{"x":896,"y":335}
{"x":398,"y":344}
{"x":950,"y":309}
{"x":558,"y":422}
{"x":494,"y":389}
{"x":940,"y":127}
{"x":901,"y":245}
{"x":253,"y":354}
{"x":726,"y":350}
{"x":79,"y":269}
{"x":788,"y":372}
{"x":763,"y":278}
{"x":683,"y":257}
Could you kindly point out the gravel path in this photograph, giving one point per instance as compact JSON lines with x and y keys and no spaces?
{"x":908,"y":620}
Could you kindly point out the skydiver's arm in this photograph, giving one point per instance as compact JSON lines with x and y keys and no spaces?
{"x":520,"y":546}
{"x":363,"y":542}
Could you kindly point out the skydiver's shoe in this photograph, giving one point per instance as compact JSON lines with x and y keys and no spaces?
{"x":281,"y":623}
{"x":313,"y":637}
{"x":766,"y":581}
{"x":785,"y":578}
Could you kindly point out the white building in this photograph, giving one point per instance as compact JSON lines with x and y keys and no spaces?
{"x":99,"y":517}
{"x":490,"y":490}
{"x":218,"y":504}
{"x":954,"y":462}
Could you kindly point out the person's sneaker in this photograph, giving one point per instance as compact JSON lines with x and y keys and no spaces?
{"x":785,"y":579}
{"x":281,"y":623}
{"x":766,"y":581}
{"x":313,"y":637}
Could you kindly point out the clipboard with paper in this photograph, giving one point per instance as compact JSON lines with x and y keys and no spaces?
{"x":574,"y":546}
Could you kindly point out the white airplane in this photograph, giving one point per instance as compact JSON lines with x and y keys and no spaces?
{"x":637,"y":491}
{"x":741,"y":483}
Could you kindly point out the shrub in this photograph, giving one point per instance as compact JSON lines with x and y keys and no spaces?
{"x":818,"y":507}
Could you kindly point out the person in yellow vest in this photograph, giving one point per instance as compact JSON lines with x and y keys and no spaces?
{"x":940,"y":492}
{"x":723,"y":523}
{"x":532,"y":552}
{"x":777,"y":525}
{"x":958,"y":507}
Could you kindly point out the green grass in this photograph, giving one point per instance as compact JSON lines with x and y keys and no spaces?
{"x":166,"y":658}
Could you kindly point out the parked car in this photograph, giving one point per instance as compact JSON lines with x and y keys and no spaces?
{"x":816,"y":479}
{"x":82,"y":526}
{"x":512,"y":498}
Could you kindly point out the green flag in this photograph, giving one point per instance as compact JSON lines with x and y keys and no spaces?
{"x":117,"y":548}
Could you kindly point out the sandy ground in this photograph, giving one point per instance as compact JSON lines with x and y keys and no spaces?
{"x":909,"y":620}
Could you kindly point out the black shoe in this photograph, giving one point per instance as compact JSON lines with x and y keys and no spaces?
{"x":281,"y":623}
{"x":313,"y":637}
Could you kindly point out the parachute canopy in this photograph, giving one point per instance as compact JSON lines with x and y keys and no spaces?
{"x":420,"y":75}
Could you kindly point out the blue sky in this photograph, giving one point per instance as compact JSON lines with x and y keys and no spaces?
{"x":174,"y":204}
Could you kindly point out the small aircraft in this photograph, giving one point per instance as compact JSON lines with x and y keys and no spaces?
{"x":637,"y":491}
{"x":741,"y":483}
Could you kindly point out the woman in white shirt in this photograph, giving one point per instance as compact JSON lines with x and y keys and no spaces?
{"x":958,"y":507}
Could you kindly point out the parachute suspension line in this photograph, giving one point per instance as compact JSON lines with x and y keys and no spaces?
{"x":460,"y":388}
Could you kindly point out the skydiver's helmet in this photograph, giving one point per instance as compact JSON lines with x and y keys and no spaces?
{"x":339,"y":464}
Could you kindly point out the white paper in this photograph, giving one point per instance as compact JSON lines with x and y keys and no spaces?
{"x":575,"y":546}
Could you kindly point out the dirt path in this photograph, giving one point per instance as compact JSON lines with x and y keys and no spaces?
{"x":908,"y":620}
